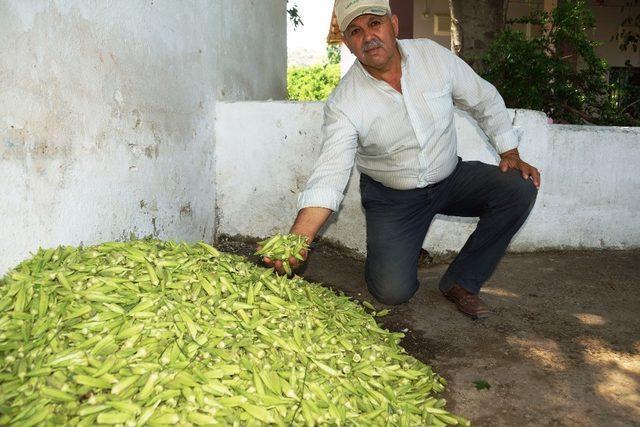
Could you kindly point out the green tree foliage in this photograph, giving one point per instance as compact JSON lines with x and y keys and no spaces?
{"x":519,"y":68}
{"x":333,"y":53}
{"x":313,"y":83}
{"x":558,"y":71}
{"x":627,"y":80}
{"x":294,"y":15}
{"x":629,"y":35}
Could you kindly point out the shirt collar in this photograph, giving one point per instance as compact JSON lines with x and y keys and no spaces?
{"x":404,"y":53}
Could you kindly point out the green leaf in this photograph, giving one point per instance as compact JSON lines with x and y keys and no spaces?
{"x":481,"y":385}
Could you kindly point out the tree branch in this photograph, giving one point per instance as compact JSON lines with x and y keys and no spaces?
{"x":630,"y":105}
{"x":578,"y":113}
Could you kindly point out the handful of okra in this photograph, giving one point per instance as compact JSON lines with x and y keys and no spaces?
{"x":281,"y":247}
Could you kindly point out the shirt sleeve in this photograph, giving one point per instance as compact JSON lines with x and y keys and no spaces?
{"x":326,"y":185}
{"x":483,"y":101}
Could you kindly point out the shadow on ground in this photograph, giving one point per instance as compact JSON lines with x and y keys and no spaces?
{"x":561,"y":348}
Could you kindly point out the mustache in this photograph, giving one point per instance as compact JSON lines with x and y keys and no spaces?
{"x":374,"y":43}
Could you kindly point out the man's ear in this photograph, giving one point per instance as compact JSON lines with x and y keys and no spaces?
{"x":394,"y":22}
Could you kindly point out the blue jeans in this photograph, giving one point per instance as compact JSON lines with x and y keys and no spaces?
{"x":398,"y":220}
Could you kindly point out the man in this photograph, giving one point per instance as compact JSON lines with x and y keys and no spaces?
{"x":393,"y":114}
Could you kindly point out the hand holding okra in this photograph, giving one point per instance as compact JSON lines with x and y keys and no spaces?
{"x":284,"y":252}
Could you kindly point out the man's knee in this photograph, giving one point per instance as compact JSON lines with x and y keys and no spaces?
{"x":517,"y":193}
{"x":393,"y":296}
{"x":389,"y":288}
{"x":525,"y":195}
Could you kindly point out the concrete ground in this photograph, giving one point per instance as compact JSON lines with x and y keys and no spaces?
{"x":562,"y":347}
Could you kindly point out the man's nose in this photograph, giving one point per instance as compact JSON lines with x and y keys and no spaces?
{"x":368,"y":34}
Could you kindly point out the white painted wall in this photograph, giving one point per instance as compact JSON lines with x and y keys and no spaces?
{"x":424,"y":12}
{"x":107,"y":112}
{"x":588,"y":197}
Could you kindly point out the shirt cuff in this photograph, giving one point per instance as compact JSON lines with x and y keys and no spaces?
{"x":320,"y":198}
{"x":505,"y":141}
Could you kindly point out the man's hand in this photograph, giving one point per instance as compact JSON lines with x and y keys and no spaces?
{"x":511,"y":160}
{"x":307,"y":223}
{"x":294,"y":262}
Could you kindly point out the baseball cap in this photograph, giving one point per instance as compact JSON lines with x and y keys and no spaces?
{"x":348,"y":10}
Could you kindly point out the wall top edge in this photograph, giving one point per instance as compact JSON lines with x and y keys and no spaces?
{"x":595,"y":129}
{"x":519,"y":111}
{"x":270,"y":102}
{"x":528,"y":111}
{"x":279,"y":101}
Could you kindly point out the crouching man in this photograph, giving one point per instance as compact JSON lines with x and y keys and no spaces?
{"x":392,"y":114}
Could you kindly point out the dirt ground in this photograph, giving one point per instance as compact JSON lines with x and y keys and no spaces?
{"x":562,"y":347}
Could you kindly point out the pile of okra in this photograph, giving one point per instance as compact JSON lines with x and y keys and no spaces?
{"x":148,"y":332}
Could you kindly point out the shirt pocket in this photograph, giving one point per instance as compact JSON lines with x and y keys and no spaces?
{"x":439,"y":104}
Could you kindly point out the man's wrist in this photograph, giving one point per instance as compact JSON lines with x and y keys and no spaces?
{"x":309,"y":221}
{"x":510,"y":153}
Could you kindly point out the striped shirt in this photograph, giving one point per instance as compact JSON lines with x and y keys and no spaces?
{"x":403,"y":140}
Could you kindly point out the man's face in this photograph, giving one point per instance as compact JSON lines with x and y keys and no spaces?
{"x":372,"y":39}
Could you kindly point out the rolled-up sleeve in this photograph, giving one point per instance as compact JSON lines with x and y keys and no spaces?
{"x":483,"y":101}
{"x":326,"y":185}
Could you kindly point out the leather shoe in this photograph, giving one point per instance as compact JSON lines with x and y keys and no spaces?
{"x":468,"y":303}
